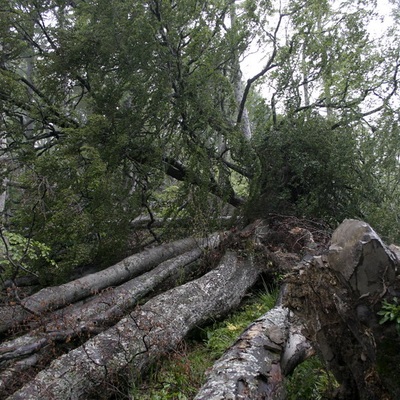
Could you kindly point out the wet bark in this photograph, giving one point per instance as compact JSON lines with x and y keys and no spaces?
{"x":36,"y":306}
{"x":143,"y":335}
{"x":255,"y":366}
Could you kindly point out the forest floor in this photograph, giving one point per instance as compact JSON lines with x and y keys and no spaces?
{"x":180,"y":375}
{"x":277,"y":245}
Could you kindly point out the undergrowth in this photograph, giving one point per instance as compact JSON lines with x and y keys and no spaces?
{"x":180,"y":375}
{"x":311,"y":381}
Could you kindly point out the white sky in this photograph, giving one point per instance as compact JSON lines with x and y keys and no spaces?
{"x":253,"y":63}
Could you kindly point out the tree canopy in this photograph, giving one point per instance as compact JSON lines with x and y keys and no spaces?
{"x":111,"y":110}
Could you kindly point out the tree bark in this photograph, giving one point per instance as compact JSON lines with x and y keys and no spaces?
{"x":51,"y":298}
{"x":254,"y":367}
{"x":337,"y":298}
{"x":144,"y":335}
{"x":79,"y":320}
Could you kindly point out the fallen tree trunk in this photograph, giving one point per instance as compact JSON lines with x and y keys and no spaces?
{"x":112,"y":304}
{"x":55,"y":297}
{"x":254,"y":367}
{"x":78,"y":320}
{"x":144,"y":335}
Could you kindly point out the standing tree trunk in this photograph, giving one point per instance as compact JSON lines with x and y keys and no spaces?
{"x":237,"y":76}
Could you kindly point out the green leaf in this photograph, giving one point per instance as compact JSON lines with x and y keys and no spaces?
{"x":383,"y":320}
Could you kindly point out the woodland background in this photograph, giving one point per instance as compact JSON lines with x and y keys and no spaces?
{"x":128,"y":124}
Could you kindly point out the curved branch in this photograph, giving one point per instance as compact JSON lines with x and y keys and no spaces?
{"x":270,"y":65}
{"x":178,"y":171}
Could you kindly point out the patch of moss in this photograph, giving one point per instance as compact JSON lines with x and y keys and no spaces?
{"x":311,"y":381}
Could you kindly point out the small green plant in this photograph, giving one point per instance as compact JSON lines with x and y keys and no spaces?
{"x":21,"y":254}
{"x":390,"y":312}
{"x":311,"y":381}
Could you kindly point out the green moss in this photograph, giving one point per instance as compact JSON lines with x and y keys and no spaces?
{"x":222,"y":335}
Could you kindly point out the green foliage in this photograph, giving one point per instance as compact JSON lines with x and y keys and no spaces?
{"x":311,"y":381}
{"x":308,"y":169}
{"x":110,"y":90}
{"x":390,"y":312}
{"x":168,"y":200}
{"x":23,"y":255}
{"x":240,"y":184}
{"x":381,"y":175}
{"x":100,"y":99}
{"x":76,"y":200}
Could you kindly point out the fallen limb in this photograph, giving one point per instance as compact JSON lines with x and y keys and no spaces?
{"x":254,"y":367}
{"x":144,"y":335}
{"x":58,"y":296}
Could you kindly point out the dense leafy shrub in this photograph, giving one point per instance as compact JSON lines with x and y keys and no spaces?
{"x":307,"y":168}
{"x":76,"y":202}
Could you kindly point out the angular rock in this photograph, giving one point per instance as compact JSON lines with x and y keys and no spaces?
{"x":337,"y":298}
{"x":360,"y":256}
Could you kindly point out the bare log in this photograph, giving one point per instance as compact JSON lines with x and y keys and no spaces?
{"x":254,"y":367}
{"x":55,"y":297}
{"x":91,"y":317}
{"x":144,"y":335}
